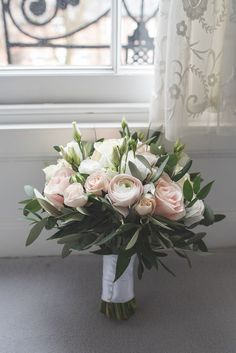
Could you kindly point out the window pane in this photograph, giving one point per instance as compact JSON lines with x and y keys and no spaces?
{"x":138,"y":29}
{"x":55,"y":32}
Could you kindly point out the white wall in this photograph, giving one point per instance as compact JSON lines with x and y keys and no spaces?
{"x":24,"y":150}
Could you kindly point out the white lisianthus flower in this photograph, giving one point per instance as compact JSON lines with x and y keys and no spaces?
{"x":73,"y":148}
{"x":103,"y":151}
{"x":144,"y":171}
{"x":89,"y":166}
{"x":194,"y":214}
{"x":51,"y":170}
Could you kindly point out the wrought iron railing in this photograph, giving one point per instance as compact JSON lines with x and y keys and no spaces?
{"x":138,"y":50}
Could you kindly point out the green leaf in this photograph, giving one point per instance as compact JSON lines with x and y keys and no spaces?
{"x":188,"y":190}
{"x":143,"y":160}
{"x":65,"y":251}
{"x":123,"y":228}
{"x":134,"y":171}
{"x":208,"y":215}
{"x":29,"y":190}
{"x":219,"y":217}
{"x":71,"y":238}
{"x":83,"y":211}
{"x":72,"y":217}
{"x":197,"y":184}
{"x":35,"y":231}
{"x":103,"y":251}
{"x":121,"y":265}
{"x":160,"y":170}
{"x":158,"y":223}
{"x":183,"y":171}
{"x":166,"y":268}
{"x":140,"y":269}
{"x":57,"y":148}
{"x":51,"y":222}
{"x":24,"y":201}
{"x":133,"y":240}
{"x":32,"y":206}
{"x":202,"y":246}
{"x":202,"y":194}
{"x":192,"y":202}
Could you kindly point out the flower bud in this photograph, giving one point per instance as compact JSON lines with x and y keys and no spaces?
{"x":76,"y":132}
{"x":116,"y":156}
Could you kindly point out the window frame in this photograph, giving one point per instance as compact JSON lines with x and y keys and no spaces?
{"x":114,"y":84}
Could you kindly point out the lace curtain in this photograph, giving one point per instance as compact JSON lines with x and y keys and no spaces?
{"x":195,"y":67}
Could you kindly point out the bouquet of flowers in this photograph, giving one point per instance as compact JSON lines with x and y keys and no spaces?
{"x":122,"y":198}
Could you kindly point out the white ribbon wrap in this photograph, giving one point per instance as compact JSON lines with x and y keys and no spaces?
{"x":122,"y":290}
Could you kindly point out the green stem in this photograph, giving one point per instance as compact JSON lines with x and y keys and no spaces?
{"x":118,"y":311}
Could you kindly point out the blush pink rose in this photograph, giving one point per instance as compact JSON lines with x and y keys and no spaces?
{"x":96,"y":183}
{"x":74,"y":195}
{"x":124,"y":190}
{"x":55,"y":188}
{"x":169,"y":199}
{"x":146,"y":205}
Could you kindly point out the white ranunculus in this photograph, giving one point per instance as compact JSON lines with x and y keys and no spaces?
{"x":124,"y":190}
{"x":144,"y":171}
{"x":194,"y":214}
{"x":89,"y":166}
{"x":51,"y":170}
{"x":103,"y":151}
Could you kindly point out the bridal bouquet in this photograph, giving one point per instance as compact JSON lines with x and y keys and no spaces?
{"x":122,"y":198}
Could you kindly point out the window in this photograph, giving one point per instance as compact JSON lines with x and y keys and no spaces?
{"x":76,"y":50}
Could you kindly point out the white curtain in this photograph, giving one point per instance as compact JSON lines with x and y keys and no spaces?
{"x":195,"y":67}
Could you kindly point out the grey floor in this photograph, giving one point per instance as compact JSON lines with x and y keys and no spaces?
{"x":50,"y":305}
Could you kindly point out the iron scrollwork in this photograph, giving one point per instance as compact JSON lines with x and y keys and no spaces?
{"x":38,"y":13}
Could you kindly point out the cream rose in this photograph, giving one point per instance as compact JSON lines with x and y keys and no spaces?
{"x":89,"y":166}
{"x":74,"y":195}
{"x":169,"y":199}
{"x":194,"y":214}
{"x":146,"y":205}
{"x":55,"y":188}
{"x":124,"y":190}
{"x":96,"y":183}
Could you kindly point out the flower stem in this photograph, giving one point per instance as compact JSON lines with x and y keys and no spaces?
{"x":118,"y":311}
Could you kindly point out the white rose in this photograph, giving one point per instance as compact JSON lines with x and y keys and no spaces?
{"x":194,"y":214}
{"x":103,"y":151}
{"x":144,"y":171}
{"x":89,"y":166}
